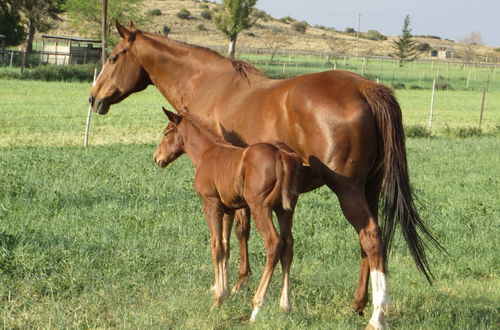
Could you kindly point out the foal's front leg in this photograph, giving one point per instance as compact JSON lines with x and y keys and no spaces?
{"x":212,"y":208}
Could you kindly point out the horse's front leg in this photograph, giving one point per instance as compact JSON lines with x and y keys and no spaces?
{"x":212,"y":208}
{"x":242,"y":233}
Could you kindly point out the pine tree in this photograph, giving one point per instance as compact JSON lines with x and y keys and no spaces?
{"x":235,"y":19}
{"x":406,"y":48}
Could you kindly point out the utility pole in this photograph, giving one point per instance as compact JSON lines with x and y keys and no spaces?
{"x":104,"y":30}
{"x":357,"y":34}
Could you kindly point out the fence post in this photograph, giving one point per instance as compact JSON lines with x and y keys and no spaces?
{"x":87,"y":127}
{"x":11,"y":57}
{"x":482,"y":107}
{"x":432,"y":104}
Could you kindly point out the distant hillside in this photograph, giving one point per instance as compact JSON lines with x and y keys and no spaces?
{"x":267,"y":32}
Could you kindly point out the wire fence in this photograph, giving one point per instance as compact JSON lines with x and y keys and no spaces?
{"x":466,"y":97}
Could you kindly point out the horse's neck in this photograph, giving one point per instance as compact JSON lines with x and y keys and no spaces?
{"x":174,"y":67}
{"x":196,"y":141}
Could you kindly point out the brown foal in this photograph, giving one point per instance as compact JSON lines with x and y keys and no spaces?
{"x":263,"y":177}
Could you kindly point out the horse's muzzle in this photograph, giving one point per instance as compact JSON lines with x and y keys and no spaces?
{"x":98,"y":105}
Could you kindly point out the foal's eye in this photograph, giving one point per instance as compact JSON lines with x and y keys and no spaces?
{"x":112,"y":59}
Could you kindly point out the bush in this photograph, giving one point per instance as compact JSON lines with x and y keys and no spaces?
{"x":300,"y":27}
{"x":443,"y":86}
{"x":203,"y":6}
{"x":462,"y":132}
{"x":417,"y":87}
{"x":375,"y":35}
{"x":81,"y":72}
{"x":417,"y":131}
{"x":206,"y":14}
{"x":154,"y":12}
{"x":260,"y":14}
{"x":165,"y":30}
{"x":184,"y":14}
{"x":349,"y":30}
{"x":201,"y":27}
{"x":398,"y":85}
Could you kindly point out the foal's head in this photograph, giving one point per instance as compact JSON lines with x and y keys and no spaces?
{"x":171,"y":145}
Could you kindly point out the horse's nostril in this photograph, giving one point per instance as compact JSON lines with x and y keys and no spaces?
{"x":91,"y":100}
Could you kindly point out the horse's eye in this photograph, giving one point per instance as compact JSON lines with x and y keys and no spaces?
{"x":112,"y":59}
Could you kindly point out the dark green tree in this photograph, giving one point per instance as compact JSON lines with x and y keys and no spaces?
{"x":10,"y":23}
{"x":86,"y":16}
{"x":234,"y":19}
{"x":38,"y":15}
{"x":406,"y":49}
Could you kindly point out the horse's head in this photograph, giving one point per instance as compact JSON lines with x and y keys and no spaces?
{"x":171,"y":145}
{"x":122,"y":74}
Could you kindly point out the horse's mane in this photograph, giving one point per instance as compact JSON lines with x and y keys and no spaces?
{"x":210,"y":133}
{"x":241,"y":67}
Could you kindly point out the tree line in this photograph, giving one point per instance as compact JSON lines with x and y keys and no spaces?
{"x":21,"y":19}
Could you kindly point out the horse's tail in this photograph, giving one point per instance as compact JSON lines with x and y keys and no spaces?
{"x":398,"y":204}
{"x":291,"y":169}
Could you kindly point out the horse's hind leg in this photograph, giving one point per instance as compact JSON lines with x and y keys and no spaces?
{"x":361,"y":294}
{"x":285,"y":220}
{"x":356,"y":209}
{"x":264,"y":223}
{"x":242,"y":233}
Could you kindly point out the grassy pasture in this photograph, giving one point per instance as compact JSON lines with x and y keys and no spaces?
{"x":55,"y":113}
{"x":102,"y":238}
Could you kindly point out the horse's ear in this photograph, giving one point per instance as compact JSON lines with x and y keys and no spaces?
{"x":131,"y":26}
{"x":173,"y":117}
{"x":123,"y":31}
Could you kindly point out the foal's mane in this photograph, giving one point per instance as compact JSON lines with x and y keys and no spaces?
{"x":208,"y":132}
{"x":241,"y":67}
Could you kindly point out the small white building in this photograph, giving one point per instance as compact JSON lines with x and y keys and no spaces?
{"x":442,"y":53}
{"x":61,"y":50}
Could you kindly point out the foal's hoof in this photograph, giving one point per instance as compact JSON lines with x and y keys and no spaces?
{"x":358,"y":310}
{"x":239,"y":284}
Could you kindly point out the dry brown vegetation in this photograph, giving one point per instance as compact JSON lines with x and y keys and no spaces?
{"x":314,"y":39}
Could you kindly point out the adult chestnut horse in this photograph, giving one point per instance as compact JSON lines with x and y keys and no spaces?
{"x":347,"y":130}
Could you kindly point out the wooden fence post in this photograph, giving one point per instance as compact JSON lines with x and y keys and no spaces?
{"x":482,"y":107}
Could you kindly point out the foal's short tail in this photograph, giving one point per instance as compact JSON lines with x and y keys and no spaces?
{"x":398,"y":204}
{"x":291,"y":166}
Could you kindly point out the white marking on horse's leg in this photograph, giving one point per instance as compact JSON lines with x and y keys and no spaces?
{"x":254,"y":313}
{"x":381,"y":299}
{"x":285,"y":296}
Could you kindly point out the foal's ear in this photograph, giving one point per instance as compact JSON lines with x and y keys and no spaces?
{"x":123,"y":31}
{"x":173,"y":117}
{"x":131,"y":25}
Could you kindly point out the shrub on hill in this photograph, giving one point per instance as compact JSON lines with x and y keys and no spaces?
{"x":206,"y":14}
{"x":154,"y":12}
{"x":300,"y":27}
{"x":183,"y":13}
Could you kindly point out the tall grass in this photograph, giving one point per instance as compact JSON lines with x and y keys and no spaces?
{"x":102,"y":238}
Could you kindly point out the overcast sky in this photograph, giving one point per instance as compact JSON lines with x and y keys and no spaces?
{"x":448,"y":19}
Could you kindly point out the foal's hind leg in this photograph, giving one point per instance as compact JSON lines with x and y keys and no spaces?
{"x":285,"y":220}
{"x":264,"y":223}
{"x":242,"y":233}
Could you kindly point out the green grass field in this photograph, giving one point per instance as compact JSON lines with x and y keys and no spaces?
{"x":100,"y":237}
